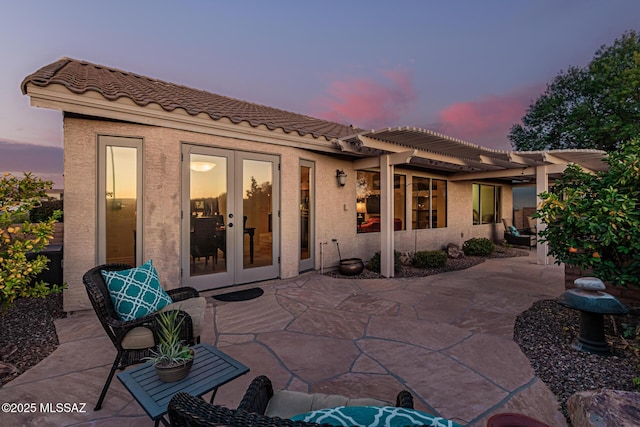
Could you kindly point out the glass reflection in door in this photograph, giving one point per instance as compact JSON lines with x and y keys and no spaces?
{"x":257,"y":187}
{"x":208,"y":210}
{"x":121,"y":201}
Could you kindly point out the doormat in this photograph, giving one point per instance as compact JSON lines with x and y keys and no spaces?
{"x":245,"y":295}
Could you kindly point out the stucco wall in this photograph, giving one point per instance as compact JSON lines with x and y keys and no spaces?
{"x":335,"y":206}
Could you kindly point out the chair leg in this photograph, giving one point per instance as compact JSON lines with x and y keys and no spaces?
{"x":108,"y":382}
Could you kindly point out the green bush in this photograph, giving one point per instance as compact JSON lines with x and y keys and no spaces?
{"x":478,"y":246}
{"x":17,"y":197}
{"x":374,"y":263}
{"x":592,"y":219}
{"x":45,"y":211}
{"x":430,"y":259}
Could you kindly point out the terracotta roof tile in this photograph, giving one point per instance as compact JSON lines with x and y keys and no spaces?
{"x":81,"y":77}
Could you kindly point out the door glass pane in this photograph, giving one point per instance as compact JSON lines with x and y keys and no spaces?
{"x":438,"y":203}
{"x":487,"y":204}
{"x":257,"y":179}
{"x":121,"y":202}
{"x":420,"y":202}
{"x":305,"y":231}
{"x":399,"y":202}
{"x":208,"y":210}
{"x":476,"y":203}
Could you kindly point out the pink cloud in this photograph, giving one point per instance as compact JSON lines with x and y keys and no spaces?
{"x":487,"y":121}
{"x":367,"y":102}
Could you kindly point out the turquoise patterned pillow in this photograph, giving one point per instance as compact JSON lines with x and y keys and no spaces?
{"x":373,"y":416}
{"x":514,"y":231}
{"x":136,"y":292}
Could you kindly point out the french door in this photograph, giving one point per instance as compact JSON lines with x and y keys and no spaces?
{"x":230,"y":217}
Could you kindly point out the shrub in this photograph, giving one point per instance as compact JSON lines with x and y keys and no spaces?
{"x":478,"y":246}
{"x":17,"y":197}
{"x":374,"y":263}
{"x":45,"y":211}
{"x":430,"y":259}
{"x":592,"y":220}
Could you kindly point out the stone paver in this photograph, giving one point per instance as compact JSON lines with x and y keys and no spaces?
{"x":446,"y":338}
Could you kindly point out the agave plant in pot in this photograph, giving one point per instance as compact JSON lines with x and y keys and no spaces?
{"x":172,"y":358}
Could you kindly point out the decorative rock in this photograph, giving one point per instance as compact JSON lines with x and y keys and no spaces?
{"x":406,"y":258}
{"x":601,"y":408}
{"x":454,"y":251}
{"x":589,"y":284}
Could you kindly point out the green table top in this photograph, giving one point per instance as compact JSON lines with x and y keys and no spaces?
{"x":211,"y":369}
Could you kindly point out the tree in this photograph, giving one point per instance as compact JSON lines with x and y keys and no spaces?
{"x":592,"y":220}
{"x":17,"y":272}
{"x":597,"y":106}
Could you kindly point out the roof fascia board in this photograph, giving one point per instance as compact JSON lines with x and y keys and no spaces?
{"x":67,"y":101}
{"x":506,"y":173}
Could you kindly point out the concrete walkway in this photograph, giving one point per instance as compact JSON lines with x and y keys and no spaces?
{"x":446,"y":338}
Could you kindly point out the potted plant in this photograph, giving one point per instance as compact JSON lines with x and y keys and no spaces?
{"x":172,"y":358}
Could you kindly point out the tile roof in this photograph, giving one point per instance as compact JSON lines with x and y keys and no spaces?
{"x":81,"y":77}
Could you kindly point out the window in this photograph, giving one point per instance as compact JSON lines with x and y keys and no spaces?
{"x":119,"y":200}
{"x":486,"y":204}
{"x":368,"y":201}
{"x":429,"y":203}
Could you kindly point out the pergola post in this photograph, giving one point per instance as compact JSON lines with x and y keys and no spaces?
{"x":386,"y":216}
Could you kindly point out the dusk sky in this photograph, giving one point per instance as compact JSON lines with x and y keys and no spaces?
{"x":468,"y":69}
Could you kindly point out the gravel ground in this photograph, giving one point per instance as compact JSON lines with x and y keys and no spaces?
{"x":544,"y":333}
{"x":27,"y":334}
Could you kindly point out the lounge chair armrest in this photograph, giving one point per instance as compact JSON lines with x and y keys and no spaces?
{"x":257,"y":396}
{"x":183,"y":293}
{"x":186,"y":410}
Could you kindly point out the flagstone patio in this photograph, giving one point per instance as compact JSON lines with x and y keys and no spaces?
{"x":446,"y":338}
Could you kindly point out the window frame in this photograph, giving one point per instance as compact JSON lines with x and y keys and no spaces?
{"x":477,"y":202}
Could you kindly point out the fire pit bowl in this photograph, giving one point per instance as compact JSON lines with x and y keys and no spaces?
{"x":351,"y":266}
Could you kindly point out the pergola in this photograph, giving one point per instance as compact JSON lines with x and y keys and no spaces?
{"x":461,"y":161}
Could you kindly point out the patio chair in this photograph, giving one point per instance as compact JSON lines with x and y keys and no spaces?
{"x":517,"y":237}
{"x":203,"y":243}
{"x":134,"y":339}
{"x":260,"y":406}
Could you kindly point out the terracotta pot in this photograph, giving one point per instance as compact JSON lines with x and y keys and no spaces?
{"x":351,"y":266}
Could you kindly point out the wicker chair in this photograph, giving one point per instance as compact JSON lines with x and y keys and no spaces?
{"x":524,"y":239}
{"x":190,"y":411}
{"x":118,"y":330}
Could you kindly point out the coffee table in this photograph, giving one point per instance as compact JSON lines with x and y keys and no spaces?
{"x":211,"y":369}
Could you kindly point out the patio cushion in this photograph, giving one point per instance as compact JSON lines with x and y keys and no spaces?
{"x":287,"y":403}
{"x":514,"y":231}
{"x":373,"y":416}
{"x":141,"y":337}
{"x":136,"y":292}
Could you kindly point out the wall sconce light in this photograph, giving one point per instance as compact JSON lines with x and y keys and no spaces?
{"x":342,"y":177}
